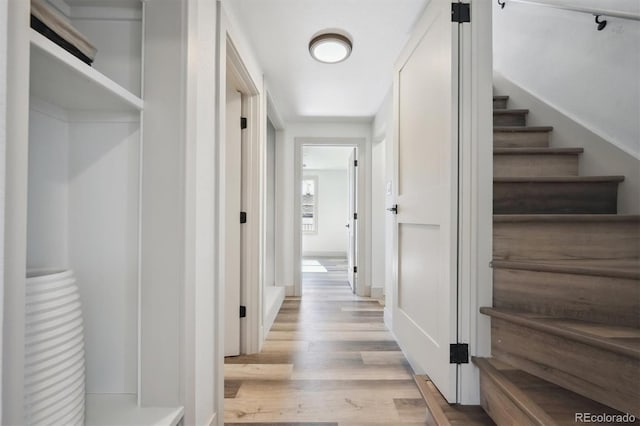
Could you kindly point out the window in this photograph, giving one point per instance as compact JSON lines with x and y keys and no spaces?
{"x":310,"y":205}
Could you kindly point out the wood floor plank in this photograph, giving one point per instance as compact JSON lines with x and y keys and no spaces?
{"x":285,"y":346}
{"x":383,"y":358}
{"x":231,"y":388}
{"x":258,"y":371}
{"x":325,"y":336}
{"x":328,"y":360}
{"x":366,"y":373}
{"x":356,"y":346}
{"x":272,"y":388}
{"x":332,"y":326}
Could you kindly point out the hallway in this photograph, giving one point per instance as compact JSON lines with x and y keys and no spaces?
{"x":328,"y":360}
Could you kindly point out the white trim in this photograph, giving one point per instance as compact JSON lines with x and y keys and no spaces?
{"x":3,"y":147}
{"x":273,"y":302}
{"x":16,"y":216}
{"x":377,"y":292}
{"x":362,"y":261}
{"x":234,"y":54}
{"x":476,"y":198}
{"x":273,"y":113}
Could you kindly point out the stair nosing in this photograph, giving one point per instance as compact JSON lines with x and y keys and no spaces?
{"x":500,"y":97}
{"x":567,"y":269}
{"x":513,"y":317}
{"x":515,"y":394}
{"x":500,"y":218}
{"x":524,"y":129}
{"x":511,"y":111}
{"x":537,"y":151}
{"x":559,"y":179}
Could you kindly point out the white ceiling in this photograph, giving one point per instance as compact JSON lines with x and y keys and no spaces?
{"x":326,"y":157}
{"x":280,"y":30}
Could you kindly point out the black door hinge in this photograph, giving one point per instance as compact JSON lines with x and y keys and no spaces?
{"x":355,"y":216}
{"x":355,"y":163}
{"x":460,"y":12}
{"x":459,"y":353}
{"x":355,"y":269}
{"x":243,"y":123}
{"x":243,"y":217}
{"x":243,"y":311}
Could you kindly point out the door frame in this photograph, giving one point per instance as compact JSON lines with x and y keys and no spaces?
{"x":359,"y":143}
{"x":475,"y":189}
{"x":234,"y":55}
{"x":353,"y":218}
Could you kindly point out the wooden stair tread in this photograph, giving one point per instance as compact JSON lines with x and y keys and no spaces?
{"x":543,"y":402}
{"x":537,"y":151}
{"x":618,"y":339}
{"x":509,"y":111}
{"x":560,"y":179}
{"x":522,"y":129}
{"x":500,"y":97}
{"x":572,"y":218}
{"x":445,"y":414}
{"x":614,"y":268}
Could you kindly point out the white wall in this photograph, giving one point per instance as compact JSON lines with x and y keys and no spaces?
{"x":48,"y":213}
{"x":83,"y":215}
{"x":3,"y":141}
{"x":16,"y":211}
{"x":383,"y":129}
{"x":285,"y":185}
{"x":591,"y":76}
{"x":103,"y":246}
{"x":162,"y":262}
{"x":270,"y":225}
{"x":332,"y":198}
{"x":378,"y":215}
{"x":119,"y":44}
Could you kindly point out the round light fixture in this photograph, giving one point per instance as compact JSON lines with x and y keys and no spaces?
{"x":330,"y":48}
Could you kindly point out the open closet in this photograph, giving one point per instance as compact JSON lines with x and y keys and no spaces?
{"x":83,"y":335}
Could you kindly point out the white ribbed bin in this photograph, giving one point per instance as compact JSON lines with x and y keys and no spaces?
{"x":54,"y":350}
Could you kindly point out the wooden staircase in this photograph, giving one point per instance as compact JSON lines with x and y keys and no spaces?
{"x":565,"y":320}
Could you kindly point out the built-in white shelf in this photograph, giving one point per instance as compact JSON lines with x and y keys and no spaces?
{"x":122,"y":410}
{"x":64,"y":80}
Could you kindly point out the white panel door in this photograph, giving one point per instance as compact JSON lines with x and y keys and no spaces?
{"x":426,"y":187}
{"x":352,"y":226}
{"x":233,"y":182}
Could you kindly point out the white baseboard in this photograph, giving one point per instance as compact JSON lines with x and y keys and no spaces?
{"x":324,"y":254}
{"x":388,"y":319}
{"x":273,"y":297}
{"x":377,"y":292}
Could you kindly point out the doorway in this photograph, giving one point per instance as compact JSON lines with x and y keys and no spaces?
{"x":242,"y":209}
{"x":327,"y":198}
{"x":329,"y":217}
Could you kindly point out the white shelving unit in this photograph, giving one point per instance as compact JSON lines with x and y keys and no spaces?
{"x":62,"y":79}
{"x":84,"y":207}
{"x":122,"y":410}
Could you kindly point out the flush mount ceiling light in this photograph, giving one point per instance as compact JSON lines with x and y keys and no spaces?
{"x":330,"y":48}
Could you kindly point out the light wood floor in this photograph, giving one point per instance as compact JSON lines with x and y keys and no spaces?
{"x":328,"y":360}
